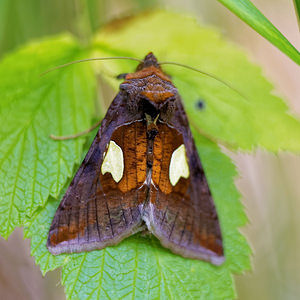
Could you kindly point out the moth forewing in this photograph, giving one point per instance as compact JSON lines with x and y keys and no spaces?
{"x":141,"y":170}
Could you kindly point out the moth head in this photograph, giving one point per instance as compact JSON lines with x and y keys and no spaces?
{"x":149,"y":60}
{"x":149,"y":88}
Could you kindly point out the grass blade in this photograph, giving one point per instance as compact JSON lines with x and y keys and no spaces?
{"x":246,"y":11}
{"x":297,"y":9}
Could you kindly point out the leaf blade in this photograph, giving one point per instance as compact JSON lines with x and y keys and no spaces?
{"x":297,"y":9}
{"x":29,"y":116}
{"x":139,"y":267}
{"x":246,"y":11}
{"x":206,"y":50}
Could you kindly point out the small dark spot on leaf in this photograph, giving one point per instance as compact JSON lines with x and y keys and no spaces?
{"x":200,"y":104}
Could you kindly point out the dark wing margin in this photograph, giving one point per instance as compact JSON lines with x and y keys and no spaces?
{"x":183,"y":217}
{"x":97,"y":211}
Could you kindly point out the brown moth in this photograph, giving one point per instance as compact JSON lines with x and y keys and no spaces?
{"x":141,"y":171}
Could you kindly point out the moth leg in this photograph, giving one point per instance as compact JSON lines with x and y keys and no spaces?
{"x":74,"y":136}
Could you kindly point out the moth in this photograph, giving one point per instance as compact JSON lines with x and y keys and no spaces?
{"x":141,"y":171}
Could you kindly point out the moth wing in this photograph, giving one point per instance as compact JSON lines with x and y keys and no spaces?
{"x":181,"y":212}
{"x":102,"y":204}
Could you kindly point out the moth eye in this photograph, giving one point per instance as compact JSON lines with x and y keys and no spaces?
{"x":178,"y":165}
{"x":113,"y":161}
{"x":121,"y":76}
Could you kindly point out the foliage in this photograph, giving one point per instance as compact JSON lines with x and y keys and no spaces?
{"x":35,"y":168}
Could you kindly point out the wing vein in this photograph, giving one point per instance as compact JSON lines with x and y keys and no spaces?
{"x":183,"y":231}
{"x":122,"y":198}
{"x":173,"y":225}
{"x":96,"y":208}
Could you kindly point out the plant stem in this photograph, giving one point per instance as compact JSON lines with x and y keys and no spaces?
{"x":82,"y":22}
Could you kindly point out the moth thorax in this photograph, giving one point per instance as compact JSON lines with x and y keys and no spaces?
{"x":147,"y":107}
{"x":157,"y":90}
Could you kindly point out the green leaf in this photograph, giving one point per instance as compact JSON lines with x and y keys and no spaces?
{"x":297,"y":9}
{"x":259,"y":119}
{"x":139,"y":268}
{"x":254,"y":18}
{"x":32,"y":166}
{"x":37,"y":228}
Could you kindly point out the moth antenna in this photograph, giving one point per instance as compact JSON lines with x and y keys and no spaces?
{"x":90,"y":59}
{"x":204,"y":73}
{"x":74,"y":136}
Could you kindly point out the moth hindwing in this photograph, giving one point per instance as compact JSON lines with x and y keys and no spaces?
{"x":141,"y":171}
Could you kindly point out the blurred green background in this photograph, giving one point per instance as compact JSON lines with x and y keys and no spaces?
{"x":268,"y":182}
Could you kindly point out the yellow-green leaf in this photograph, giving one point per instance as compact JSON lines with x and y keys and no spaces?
{"x":256,"y":119}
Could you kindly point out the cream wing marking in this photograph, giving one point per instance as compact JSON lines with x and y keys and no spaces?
{"x":178,"y":166}
{"x":113,"y":162}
